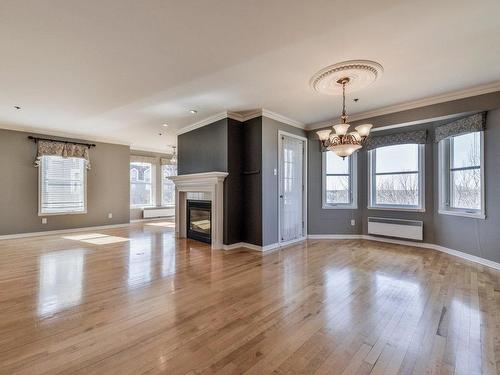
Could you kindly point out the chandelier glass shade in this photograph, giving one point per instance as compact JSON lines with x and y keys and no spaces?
{"x":339,"y":140}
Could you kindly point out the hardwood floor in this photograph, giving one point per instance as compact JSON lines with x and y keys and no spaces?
{"x":135,"y":300}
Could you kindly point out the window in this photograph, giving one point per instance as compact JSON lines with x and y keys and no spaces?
{"x":396,"y":177}
{"x":339,"y":181}
{"x":62,"y":186}
{"x":167,"y":186}
{"x":461,"y":175}
{"x":141,"y":184}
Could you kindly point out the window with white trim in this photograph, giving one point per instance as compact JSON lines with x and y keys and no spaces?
{"x":461,"y":177}
{"x":167,"y":186}
{"x":339,"y":181}
{"x":141,"y":184}
{"x":62,"y":186}
{"x":396,"y":175}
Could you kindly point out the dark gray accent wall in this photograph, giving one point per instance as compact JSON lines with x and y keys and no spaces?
{"x":249,"y":153}
{"x":217,"y":148}
{"x":233,"y":185}
{"x":251,"y":231}
{"x":270,"y":130}
{"x":108,"y":188}
{"x":473,"y":236}
{"x":203,"y":149}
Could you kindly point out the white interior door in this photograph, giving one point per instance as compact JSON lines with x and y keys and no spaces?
{"x":291,"y":188}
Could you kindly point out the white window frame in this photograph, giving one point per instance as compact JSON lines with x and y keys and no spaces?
{"x":40,"y":213}
{"x":444,"y":160}
{"x":153,"y":185}
{"x":394,"y":207}
{"x":353,"y":185}
{"x":161,"y":187}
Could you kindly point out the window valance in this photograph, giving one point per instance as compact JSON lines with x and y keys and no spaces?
{"x":415,"y":137}
{"x":143,"y":159}
{"x":63,"y":149}
{"x":470,"y":124}
{"x":166,"y":161}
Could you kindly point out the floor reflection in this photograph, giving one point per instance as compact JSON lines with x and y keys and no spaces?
{"x":139,"y":261}
{"x":165,"y":224}
{"x":168,"y":258}
{"x":61,"y":280}
{"x":97,"y":238}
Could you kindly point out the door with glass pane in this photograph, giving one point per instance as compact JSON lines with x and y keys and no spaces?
{"x":291,"y":188}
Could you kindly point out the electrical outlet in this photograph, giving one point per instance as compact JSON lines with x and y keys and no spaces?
{"x":44,"y":220}
{"x":275,"y":172}
{"x":110,"y":215}
{"x":353,"y":222}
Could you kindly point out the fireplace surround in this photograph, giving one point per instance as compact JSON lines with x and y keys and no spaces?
{"x":210,"y":183}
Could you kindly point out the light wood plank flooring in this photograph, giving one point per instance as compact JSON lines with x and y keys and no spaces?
{"x":135,"y":300}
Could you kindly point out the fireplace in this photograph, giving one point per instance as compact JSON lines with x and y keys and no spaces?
{"x":199,"y":220}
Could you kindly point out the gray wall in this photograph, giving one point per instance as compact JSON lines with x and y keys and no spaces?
{"x":136,"y":213}
{"x":473,"y":236}
{"x":217,"y":148}
{"x":203,"y":149}
{"x":251,"y":231}
{"x":476,"y":236}
{"x":107,"y":187}
{"x":249,"y":153}
{"x":270,"y":130}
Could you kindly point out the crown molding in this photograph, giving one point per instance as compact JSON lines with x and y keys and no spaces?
{"x":283,"y":119}
{"x":204,"y":122}
{"x":448,"y":97}
{"x":242,"y":118}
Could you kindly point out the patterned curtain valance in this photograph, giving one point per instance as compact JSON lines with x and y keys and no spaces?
{"x":166,"y":161}
{"x":63,"y":149}
{"x":470,"y":124}
{"x":143,"y":159}
{"x":418,"y":137}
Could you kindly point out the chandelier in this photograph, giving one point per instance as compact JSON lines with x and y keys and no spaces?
{"x":339,"y":140}
{"x":173,"y":157}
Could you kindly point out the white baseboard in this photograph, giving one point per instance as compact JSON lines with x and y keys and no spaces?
{"x":457,"y":253}
{"x":60,"y":231}
{"x":273,"y":246}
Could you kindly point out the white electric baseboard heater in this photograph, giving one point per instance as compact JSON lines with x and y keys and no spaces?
{"x":154,"y":212}
{"x":398,"y":228}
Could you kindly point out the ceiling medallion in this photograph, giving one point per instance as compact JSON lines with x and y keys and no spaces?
{"x":361,"y":73}
{"x":335,"y":79}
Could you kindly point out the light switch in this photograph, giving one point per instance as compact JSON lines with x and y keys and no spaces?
{"x":353,"y":222}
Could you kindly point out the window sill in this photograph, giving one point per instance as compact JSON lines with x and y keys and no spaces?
{"x":463,"y":214}
{"x":141,"y":207}
{"x":396,"y":208}
{"x":338,"y":207}
{"x":62,"y":213}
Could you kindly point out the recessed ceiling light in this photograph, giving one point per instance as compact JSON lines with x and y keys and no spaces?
{"x":193,"y":111}
{"x":165,"y":125}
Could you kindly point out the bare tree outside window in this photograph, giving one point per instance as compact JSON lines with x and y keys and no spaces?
{"x":465,"y":171}
{"x":395,"y":176}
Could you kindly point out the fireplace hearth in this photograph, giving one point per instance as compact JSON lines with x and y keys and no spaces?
{"x":199,"y":220}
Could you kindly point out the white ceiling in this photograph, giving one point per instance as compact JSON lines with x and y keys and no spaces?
{"x":117,"y":69}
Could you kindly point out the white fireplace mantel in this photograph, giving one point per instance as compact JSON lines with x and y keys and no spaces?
{"x":208,"y":182}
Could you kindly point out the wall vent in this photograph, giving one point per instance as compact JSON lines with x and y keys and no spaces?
{"x":399,"y":228}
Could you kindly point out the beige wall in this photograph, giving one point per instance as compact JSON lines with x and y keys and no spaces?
{"x":107,"y":187}
{"x":136,"y":213}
